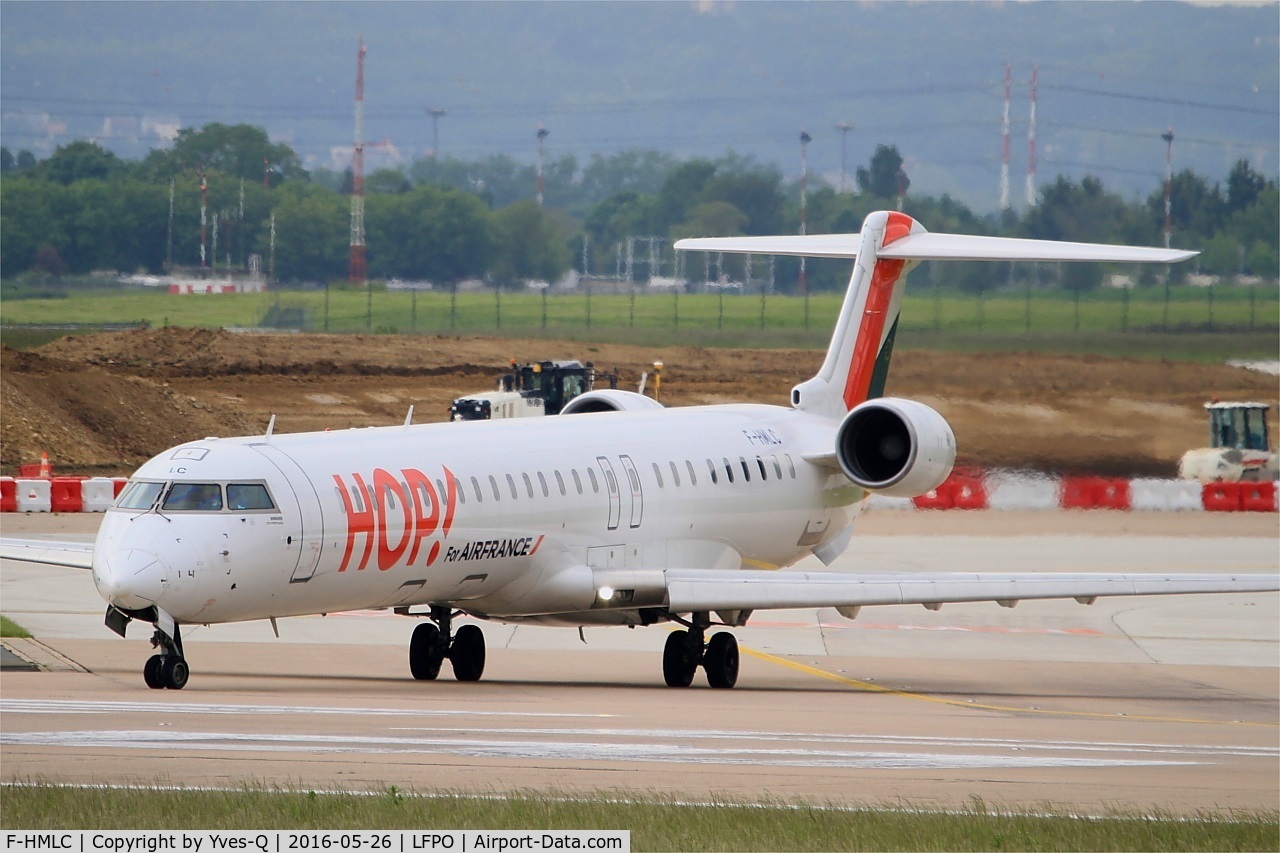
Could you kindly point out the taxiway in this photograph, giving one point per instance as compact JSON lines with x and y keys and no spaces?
{"x":1156,"y":703}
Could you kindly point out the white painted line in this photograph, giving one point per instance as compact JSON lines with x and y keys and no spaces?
{"x":65,"y":706}
{"x":577,"y":752}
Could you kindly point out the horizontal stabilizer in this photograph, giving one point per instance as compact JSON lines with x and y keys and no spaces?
{"x":808,"y":246}
{"x":937,"y":247}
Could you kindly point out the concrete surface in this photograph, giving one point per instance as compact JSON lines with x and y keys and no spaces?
{"x":1170,"y":703}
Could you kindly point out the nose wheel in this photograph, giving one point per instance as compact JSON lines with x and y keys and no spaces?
{"x":167,"y":670}
{"x":432,"y":643}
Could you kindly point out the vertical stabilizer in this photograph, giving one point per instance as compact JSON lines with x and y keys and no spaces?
{"x":857,"y":361}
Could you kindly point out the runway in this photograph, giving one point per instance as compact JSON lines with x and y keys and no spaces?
{"x":1145,"y":703}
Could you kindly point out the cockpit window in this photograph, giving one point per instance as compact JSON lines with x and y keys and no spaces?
{"x":205,"y":497}
{"x":140,"y":495}
{"x":245,"y":496}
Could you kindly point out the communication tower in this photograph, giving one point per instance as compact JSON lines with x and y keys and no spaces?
{"x":1167,"y":136}
{"x":543,"y":133}
{"x":805,"y":139}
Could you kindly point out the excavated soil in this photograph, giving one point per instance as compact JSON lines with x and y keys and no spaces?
{"x":105,"y":403}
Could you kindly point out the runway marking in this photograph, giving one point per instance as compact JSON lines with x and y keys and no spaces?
{"x":609,"y":749}
{"x":71,"y":706}
{"x":981,"y":706}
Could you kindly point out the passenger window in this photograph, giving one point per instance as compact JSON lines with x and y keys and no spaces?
{"x":577,"y":481}
{"x":206,"y":497}
{"x":140,"y":495}
{"x":245,"y":496}
{"x":791,"y":465}
{"x":777,"y":466}
{"x":693,"y":478}
{"x":560,"y":483}
{"x":746,"y":470}
{"x":511,"y":484}
{"x":595,"y":484}
{"x":764,"y":473}
{"x":389,"y":496}
{"x":424,"y":498}
{"x":357,"y":499}
{"x":444,"y":496}
{"x":461,"y":492}
{"x":675,"y":474}
{"x":528,"y":484}
{"x":542,"y":481}
{"x":657,"y":474}
{"x":475,"y":484}
{"x":711,"y":466}
{"x":728,"y":468}
{"x":493,"y":484}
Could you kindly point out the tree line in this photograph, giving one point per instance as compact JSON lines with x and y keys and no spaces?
{"x":84,"y":209}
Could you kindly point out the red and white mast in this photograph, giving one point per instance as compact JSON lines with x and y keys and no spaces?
{"x":1004,"y":141}
{"x":1031,"y":143}
{"x":357,"y":268}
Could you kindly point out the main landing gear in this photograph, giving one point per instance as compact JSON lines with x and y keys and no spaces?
{"x":686,"y":651}
{"x":432,"y":643}
{"x":167,"y":670}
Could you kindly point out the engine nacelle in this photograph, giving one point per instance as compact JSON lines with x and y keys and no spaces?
{"x":610,"y":400}
{"x":895,"y":447}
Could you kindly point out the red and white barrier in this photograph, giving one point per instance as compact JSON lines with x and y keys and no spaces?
{"x":964,"y":489}
{"x":1013,"y":490}
{"x":59,"y":494}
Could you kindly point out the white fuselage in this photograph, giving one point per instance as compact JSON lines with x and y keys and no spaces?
{"x":502,"y":519}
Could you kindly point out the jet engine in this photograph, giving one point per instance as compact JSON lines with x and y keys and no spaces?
{"x":895,"y":447}
{"x":610,"y":400}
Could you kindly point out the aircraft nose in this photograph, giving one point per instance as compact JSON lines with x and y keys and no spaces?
{"x":131,"y":579}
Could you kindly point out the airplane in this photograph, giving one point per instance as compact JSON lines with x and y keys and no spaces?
{"x":616,"y":512}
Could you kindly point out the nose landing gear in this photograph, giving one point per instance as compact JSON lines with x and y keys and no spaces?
{"x":167,"y":670}
{"x":432,"y":643}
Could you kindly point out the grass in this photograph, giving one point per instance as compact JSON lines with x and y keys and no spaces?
{"x":655,"y":823}
{"x":1239,"y":322}
{"x":9,"y":628}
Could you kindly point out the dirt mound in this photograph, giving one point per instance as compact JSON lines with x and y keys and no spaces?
{"x":91,"y":421}
{"x":111,"y":400}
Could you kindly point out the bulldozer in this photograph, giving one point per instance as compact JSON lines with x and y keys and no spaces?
{"x":1240,"y":447}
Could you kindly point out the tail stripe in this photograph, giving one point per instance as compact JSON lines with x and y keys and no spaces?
{"x":884,"y":279}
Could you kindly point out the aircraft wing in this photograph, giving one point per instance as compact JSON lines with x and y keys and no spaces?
{"x":691,"y":590}
{"x":72,"y":555}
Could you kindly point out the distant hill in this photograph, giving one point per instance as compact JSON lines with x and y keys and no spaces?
{"x":688,"y":78}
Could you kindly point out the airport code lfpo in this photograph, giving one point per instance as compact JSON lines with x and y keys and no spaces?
{"x":274,"y":841}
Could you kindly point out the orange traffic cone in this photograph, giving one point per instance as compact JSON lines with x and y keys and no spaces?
{"x":46,"y":472}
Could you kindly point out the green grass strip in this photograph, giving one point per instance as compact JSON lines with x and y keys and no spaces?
{"x":9,"y":628}
{"x":655,"y":823}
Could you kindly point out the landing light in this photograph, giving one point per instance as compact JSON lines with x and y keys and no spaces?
{"x":605,"y":593}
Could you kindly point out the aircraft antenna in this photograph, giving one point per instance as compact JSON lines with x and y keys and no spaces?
{"x":357,"y":267}
{"x":1004,"y":141}
{"x":1031,"y":142}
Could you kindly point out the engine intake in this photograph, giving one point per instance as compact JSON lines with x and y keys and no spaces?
{"x":895,"y":447}
{"x":610,"y":400}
